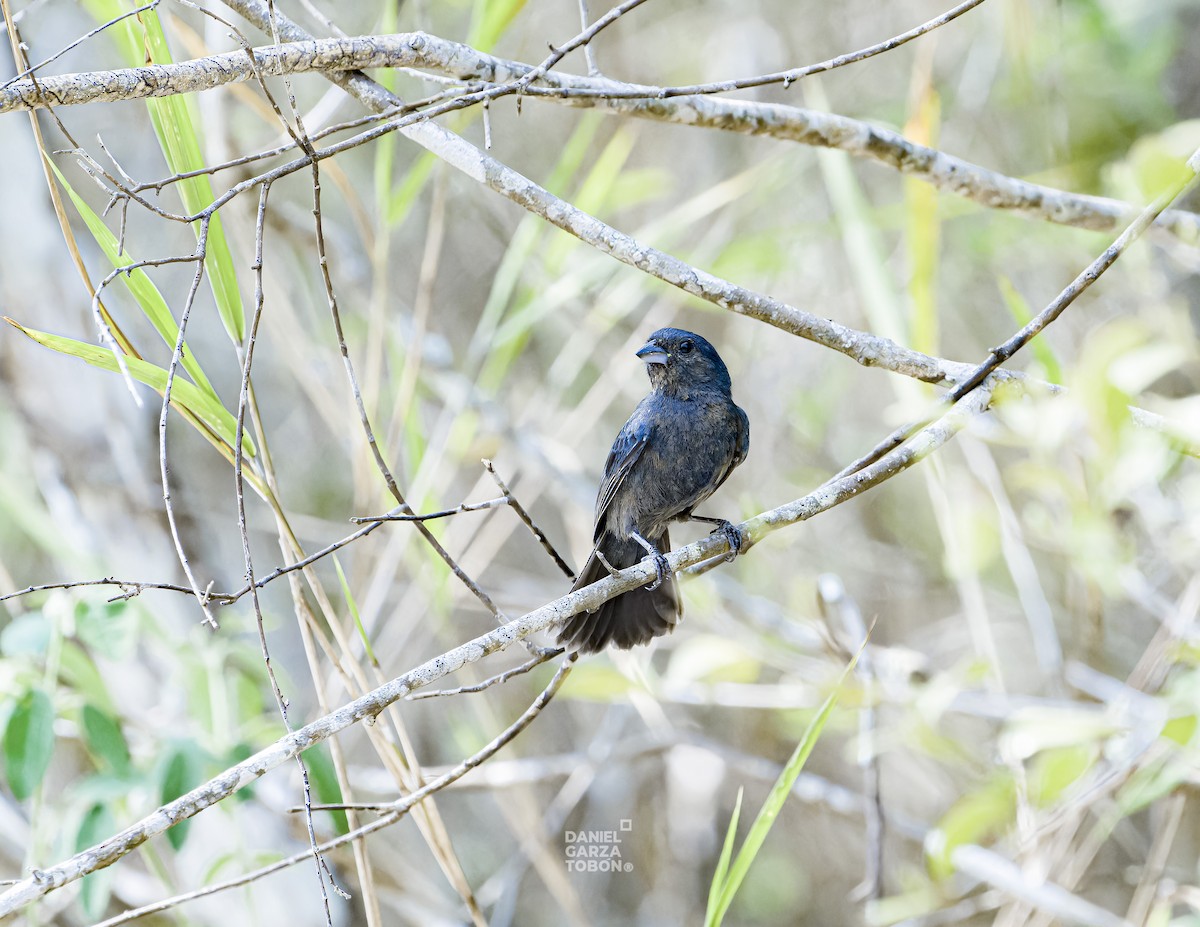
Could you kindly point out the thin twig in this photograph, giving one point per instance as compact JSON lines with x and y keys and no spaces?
{"x":281,"y":702}
{"x":499,"y":678}
{"x":364,"y":419}
{"x":79,"y":41}
{"x":430,"y":516}
{"x":837,"y":605}
{"x":528,"y":521}
{"x":164,"y":469}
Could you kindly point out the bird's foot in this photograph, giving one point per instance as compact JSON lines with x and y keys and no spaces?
{"x":663,"y":569}
{"x":733,"y":535}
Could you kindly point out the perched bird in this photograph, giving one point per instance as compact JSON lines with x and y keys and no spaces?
{"x":681,"y":443}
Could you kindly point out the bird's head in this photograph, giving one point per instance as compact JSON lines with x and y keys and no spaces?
{"x":681,"y":362}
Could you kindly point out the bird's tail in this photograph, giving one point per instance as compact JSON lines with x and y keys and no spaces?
{"x":636,"y":617}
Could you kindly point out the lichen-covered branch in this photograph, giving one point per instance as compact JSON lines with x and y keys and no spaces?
{"x":946,"y":172}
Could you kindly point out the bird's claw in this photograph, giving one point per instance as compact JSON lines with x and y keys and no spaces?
{"x":662,"y":568}
{"x":733,"y":535}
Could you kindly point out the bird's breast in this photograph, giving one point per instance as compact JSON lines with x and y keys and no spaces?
{"x":691,"y":448}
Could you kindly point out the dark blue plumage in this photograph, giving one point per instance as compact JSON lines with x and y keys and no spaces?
{"x":681,"y":443}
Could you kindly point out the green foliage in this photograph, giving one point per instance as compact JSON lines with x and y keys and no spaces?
{"x":105,"y":741}
{"x":179,"y":770}
{"x":96,"y":825}
{"x":28,"y":742}
{"x":323,"y":779}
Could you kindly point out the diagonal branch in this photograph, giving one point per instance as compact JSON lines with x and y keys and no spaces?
{"x":220,"y":787}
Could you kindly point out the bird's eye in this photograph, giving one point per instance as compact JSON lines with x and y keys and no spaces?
{"x":685,"y":347}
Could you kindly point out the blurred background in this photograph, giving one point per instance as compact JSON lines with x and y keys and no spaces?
{"x":1033,"y":687}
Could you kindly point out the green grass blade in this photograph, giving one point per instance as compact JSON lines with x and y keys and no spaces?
{"x":491,"y":19}
{"x":923,"y":230}
{"x":774,"y":804}
{"x":142,"y":41}
{"x":1022,"y":313}
{"x":722,"y":873}
{"x":353,"y":606}
{"x":151,"y":301}
{"x":205,"y":407}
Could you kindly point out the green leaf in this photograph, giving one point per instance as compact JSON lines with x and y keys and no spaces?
{"x":1055,"y":770}
{"x":104,"y":739}
{"x":96,"y":887}
{"x":178,"y":774}
{"x":26,"y":636}
{"x":206,"y":408}
{"x":29,"y":743}
{"x":238,"y":752}
{"x":988,"y":810}
{"x":151,"y":301}
{"x":323,"y":778}
{"x":78,"y":670}
{"x":107,"y":628}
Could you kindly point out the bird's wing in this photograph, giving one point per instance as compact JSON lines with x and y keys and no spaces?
{"x":626,"y":450}
{"x":741,"y":445}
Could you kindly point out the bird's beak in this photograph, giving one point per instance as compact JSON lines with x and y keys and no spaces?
{"x":652,"y":353}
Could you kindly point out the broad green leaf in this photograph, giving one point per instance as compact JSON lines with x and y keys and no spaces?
{"x":151,"y":301}
{"x":96,"y":887}
{"x":206,"y":408}
{"x":237,"y":753}
{"x":29,"y":743}
{"x":178,"y":774}
{"x":78,"y":670}
{"x":1181,"y":730}
{"x":104,"y":739}
{"x":1055,"y":770}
